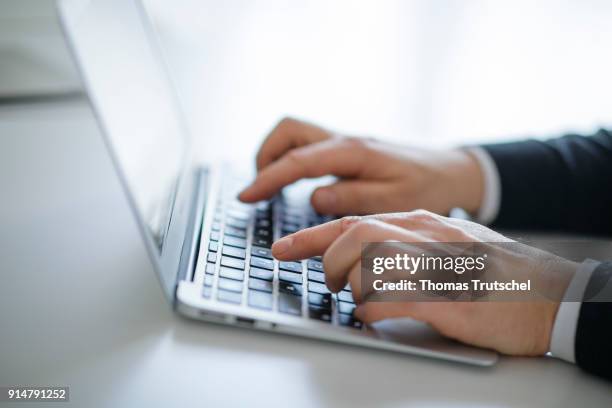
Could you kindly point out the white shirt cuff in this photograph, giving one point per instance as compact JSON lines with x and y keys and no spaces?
{"x":566,"y":321}
{"x":492,"y":186}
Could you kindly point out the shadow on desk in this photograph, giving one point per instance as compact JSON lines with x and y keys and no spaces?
{"x":345,"y":375}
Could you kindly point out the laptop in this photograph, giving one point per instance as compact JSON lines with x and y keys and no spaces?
{"x":210,"y":252}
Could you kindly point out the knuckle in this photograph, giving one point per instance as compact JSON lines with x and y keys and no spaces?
{"x":456,"y":233}
{"x":362,"y":227}
{"x":422,"y":216}
{"x":355,"y":143}
{"x":298,"y":159}
{"x":295,"y":156}
{"x":348,"y":222}
{"x":286,"y":121}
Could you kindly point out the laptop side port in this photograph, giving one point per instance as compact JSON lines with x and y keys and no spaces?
{"x":245,"y":321}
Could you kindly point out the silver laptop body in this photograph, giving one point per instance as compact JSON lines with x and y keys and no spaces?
{"x":210,"y":252}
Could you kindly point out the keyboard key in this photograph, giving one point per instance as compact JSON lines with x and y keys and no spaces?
{"x":239,"y":215}
{"x":235,"y":242}
{"x":212,"y":257}
{"x":210,"y":268}
{"x":234,"y":205}
{"x":234,"y":252}
{"x":263,"y":213}
{"x":229,"y":297}
{"x":345,"y":296}
{"x":214,"y":236}
{"x":319,"y":313}
{"x":261,"y":252}
{"x":263,"y":232}
{"x":316,"y":276}
{"x":290,"y":228}
{"x":348,"y":287}
{"x":323,"y":301}
{"x":261,"y":274}
{"x":216,"y":226}
{"x":235,"y":232}
{"x":258,"y":284}
{"x":213,"y":246}
{"x":318,"y":288}
{"x":207,"y":292}
{"x":231,"y":273}
{"x":289,"y":304}
{"x":208,"y":280}
{"x":350,"y":321}
{"x":346,"y":308}
{"x":290,"y":277}
{"x":264,"y":206}
{"x":292,"y":218}
{"x":262,"y":263}
{"x":320,"y":219}
{"x":292,"y":288}
{"x":262,"y":242}
{"x":263,"y":223}
{"x":233,"y":262}
{"x":236,"y":223}
{"x":230,"y":284}
{"x":291,"y":266}
{"x":260,"y":300}
{"x":315,"y":265}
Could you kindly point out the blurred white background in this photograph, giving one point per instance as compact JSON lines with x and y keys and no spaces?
{"x":427,"y":72}
{"x":421,"y":72}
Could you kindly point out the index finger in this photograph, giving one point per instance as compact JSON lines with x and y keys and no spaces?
{"x":338,"y":157}
{"x":311,"y":241}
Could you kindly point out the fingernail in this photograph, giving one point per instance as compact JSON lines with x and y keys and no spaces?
{"x":281,"y":246}
{"x":325,"y":198}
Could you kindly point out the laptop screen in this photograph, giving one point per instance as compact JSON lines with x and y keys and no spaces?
{"x":134,"y":101}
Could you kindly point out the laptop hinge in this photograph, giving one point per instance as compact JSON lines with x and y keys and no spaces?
{"x":191,"y":244}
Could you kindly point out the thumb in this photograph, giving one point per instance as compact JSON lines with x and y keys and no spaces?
{"x":349,"y":197}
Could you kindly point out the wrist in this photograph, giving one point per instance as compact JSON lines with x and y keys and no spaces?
{"x":465,"y":180}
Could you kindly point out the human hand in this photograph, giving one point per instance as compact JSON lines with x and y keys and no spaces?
{"x":517,"y":328}
{"x":374,"y":177}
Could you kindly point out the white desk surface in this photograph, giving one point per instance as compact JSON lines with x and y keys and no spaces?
{"x":80,"y":307}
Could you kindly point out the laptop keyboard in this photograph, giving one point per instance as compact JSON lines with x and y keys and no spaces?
{"x":240,"y":268}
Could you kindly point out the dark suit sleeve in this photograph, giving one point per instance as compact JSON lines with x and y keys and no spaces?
{"x":560,"y":184}
{"x":593,"y":344}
